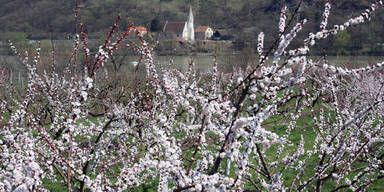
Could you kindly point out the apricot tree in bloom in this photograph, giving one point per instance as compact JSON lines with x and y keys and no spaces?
{"x":192,"y":133}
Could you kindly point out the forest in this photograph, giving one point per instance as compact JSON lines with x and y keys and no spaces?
{"x":53,"y":19}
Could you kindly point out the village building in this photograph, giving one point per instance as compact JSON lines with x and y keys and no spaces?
{"x":203,"y":33}
{"x":173,"y":30}
{"x":185,"y":30}
{"x":142,"y":30}
{"x":223,"y":35}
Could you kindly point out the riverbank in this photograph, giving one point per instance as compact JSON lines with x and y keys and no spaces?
{"x":201,"y":47}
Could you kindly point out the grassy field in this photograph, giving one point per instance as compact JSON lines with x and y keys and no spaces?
{"x":277,"y":124}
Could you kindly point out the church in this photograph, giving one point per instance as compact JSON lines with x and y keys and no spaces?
{"x":182,"y":31}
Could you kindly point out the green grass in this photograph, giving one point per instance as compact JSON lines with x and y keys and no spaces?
{"x":54,"y":187}
{"x":277,"y":124}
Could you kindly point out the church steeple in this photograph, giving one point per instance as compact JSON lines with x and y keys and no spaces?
{"x":189,"y":30}
{"x":190,"y":17}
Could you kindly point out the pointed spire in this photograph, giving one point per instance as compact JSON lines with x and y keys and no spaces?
{"x":190,"y":16}
{"x":189,"y":30}
{"x":190,"y":11}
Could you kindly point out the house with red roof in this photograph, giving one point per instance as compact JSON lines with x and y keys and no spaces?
{"x":203,"y":32}
{"x":142,"y":30}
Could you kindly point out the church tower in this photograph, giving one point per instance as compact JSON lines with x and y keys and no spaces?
{"x":189,"y":30}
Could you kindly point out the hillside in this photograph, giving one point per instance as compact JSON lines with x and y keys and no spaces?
{"x":40,"y":19}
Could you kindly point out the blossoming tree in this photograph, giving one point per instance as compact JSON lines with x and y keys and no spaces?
{"x":225,"y":132}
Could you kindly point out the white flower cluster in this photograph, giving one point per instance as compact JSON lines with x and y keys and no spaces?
{"x":283,"y":18}
{"x":260,"y":43}
{"x":326,"y":12}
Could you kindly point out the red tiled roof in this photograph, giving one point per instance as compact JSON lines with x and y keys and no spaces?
{"x":201,"y":29}
{"x":140,"y":28}
{"x":174,"y":27}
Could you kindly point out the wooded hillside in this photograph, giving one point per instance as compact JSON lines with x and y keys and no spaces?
{"x":40,"y":19}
